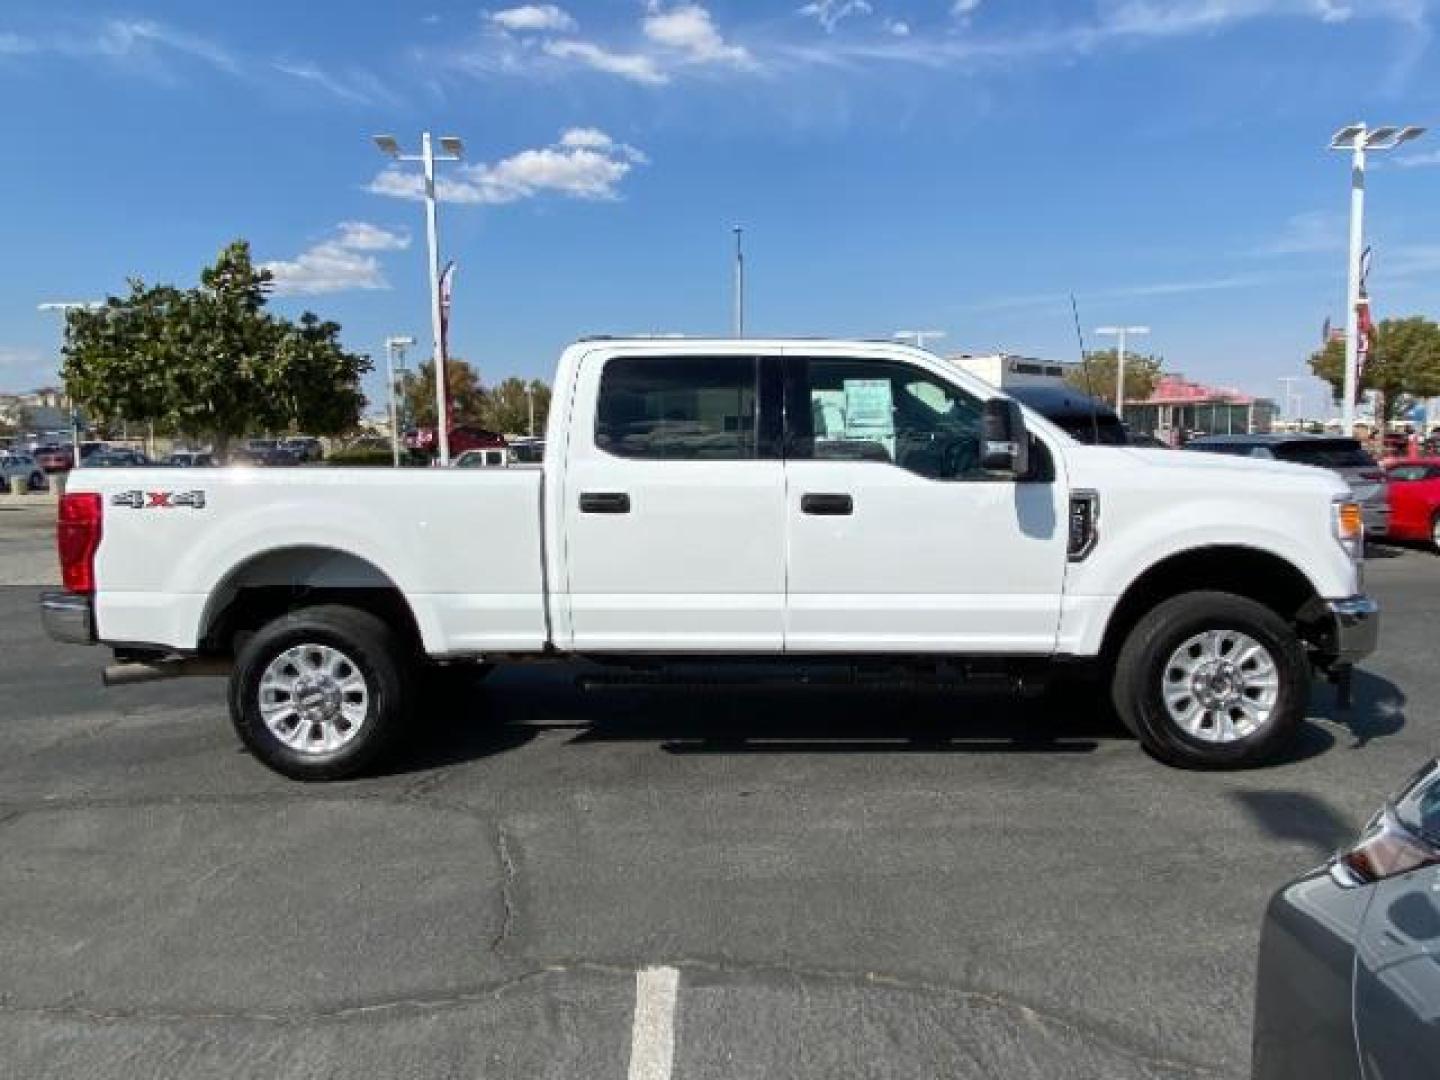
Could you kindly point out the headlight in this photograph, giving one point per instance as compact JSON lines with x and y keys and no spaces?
{"x":1386,"y":848}
{"x":1349,"y":526}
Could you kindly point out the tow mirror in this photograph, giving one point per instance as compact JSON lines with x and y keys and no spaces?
{"x":1004,"y":442}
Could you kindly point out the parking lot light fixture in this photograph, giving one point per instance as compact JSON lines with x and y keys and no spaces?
{"x":1119,"y":333}
{"x":1358,"y":139}
{"x":919,"y":337}
{"x":427,"y":158}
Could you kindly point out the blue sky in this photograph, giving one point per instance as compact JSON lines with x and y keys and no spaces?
{"x":897,"y":164}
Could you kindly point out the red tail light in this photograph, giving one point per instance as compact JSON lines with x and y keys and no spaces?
{"x":78,"y":537}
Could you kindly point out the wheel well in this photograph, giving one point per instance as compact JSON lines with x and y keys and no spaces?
{"x":1257,"y":575}
{"x":270,"y":584}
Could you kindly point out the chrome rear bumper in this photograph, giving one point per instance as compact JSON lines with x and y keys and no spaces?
{"x":68,"y":617}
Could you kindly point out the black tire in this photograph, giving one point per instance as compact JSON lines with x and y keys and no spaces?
{"x":368,"y":646}
{"x":1143,"y":668}
{"x":1435,"y":533}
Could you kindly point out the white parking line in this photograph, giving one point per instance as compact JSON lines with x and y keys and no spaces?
{"x":652,"y":1037}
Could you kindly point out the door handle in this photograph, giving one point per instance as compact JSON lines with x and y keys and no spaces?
{"x":826,"y":504}
{"x":604,"y":502}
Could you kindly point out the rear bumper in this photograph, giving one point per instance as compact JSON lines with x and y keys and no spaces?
{"x":1355,"y":628}
{"x":68,"y":617}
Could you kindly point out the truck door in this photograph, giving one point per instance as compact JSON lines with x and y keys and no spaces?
{"x":897,"y":541}
{"x":674,"y":504}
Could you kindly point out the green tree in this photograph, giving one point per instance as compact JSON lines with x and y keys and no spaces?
{"x":507,"y":406}
{"x":211,"y":361}
{"x":1404,"y":364}
{"x":462,"y":386}
{"x":1141,"y":374}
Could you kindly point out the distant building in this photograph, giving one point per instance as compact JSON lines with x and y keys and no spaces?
{"x":1179,"y":405}
{"x":46,"y":409}
{"x":1004,"y":369}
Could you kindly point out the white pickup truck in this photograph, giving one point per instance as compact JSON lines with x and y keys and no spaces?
{"x":850,"y":505}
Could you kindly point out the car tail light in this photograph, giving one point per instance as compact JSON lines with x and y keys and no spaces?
{"x":77,"y":535}
{"x":1385,"y":849}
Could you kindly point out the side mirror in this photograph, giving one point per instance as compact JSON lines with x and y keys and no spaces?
{"x":1004,"y":442}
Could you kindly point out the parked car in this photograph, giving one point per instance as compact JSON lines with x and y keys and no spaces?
{"x":482,"y":459}
{"x":191,"y":459}
{"x":306,"y":447}
{"x":1414,"y":487}
{"x":462,"y":438}
{"x":116,"y":458}
{"x":1349,"y":974}
{"x":23,"y":466}
{"x":738,"y":502}
{"x":1146,"y":440}
{"x":54,"y":457}
{"x":264,"y":456}
{"x":90,"y":447}
{"x":1342,"y":456}
{"x":1078,"y":415}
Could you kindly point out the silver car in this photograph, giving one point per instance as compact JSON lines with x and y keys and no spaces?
{"x":1342,"y":456}
{"x":1348,"y":986}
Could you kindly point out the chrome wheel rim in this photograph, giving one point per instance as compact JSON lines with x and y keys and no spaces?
{"x":313,"y":698}
{"x":1221,"y":686}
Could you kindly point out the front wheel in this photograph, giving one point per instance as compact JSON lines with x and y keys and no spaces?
{"x":1435,"y":532}
{"x":1211,"y":680}
{"x":321,"y":693}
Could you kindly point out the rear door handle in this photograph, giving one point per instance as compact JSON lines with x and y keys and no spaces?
{"x":826,"y":504}
{"x":604,"y":502}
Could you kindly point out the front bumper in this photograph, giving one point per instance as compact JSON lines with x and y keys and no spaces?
{"x":1353,"y":632}
{"x":68,"y":617}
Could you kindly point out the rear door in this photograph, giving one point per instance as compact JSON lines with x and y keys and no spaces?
{"x":897,"y":541}
{"x":674,"y":504}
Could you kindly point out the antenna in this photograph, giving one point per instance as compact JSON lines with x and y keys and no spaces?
{"x":1085,"y":366}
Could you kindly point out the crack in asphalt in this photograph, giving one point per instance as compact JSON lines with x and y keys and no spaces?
{"x":802,"y":977}
{"x":507,"y":888}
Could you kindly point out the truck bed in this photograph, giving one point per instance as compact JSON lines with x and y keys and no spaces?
{"x":463,"y":546}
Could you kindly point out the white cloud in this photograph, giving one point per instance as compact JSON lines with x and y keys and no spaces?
{"x":15,"y":45}
{"x":898,"y":27}
{"x":357,"y":87}
{"x":584,"y":164}
{"x":1308,"y":233}
{"x":637,"y":67}
{"x":340,"y":264}
{"x":688,"y":30}
{"x":962,"y":9}
{"x":123,"y":39}
{"x":589,"y":138}
{"x":1418,"y":161}
{"x":534,"y":18}
{"x":831,"y":13}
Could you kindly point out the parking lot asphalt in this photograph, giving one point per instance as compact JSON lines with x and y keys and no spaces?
{"x":874,"y":884}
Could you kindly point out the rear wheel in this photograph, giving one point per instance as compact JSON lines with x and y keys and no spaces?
{"x":321,"y":693}
{"x":1435,"y":531}
{"x":1212,"y":680}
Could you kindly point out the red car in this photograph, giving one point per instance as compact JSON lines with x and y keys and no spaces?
{"x":1414,"y":491}
{"x":462,"y":438}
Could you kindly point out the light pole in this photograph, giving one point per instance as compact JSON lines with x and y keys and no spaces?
{"x":1357,"y":138}
{"x":394,"y":346}
{"x":739,"y":287}
{"x":530,"y":402}
{"x":919,"y":337}
{"x":427,"y":157}
{"x":1119,"y":334}
{"x":1288,"y":382}
{"x":64,"y":307}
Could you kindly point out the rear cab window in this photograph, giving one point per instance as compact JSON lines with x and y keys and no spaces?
{"x":684,"y":408}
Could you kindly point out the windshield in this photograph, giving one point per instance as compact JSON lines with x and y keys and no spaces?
{"x":1418,"y":806}
{"x":1327,"y":453}
{"x":1083,"y":429}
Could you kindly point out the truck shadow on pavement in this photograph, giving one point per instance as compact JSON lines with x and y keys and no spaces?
{"x":474,"y":718}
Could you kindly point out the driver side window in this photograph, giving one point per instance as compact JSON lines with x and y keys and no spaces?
{"x":882,"y":411}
